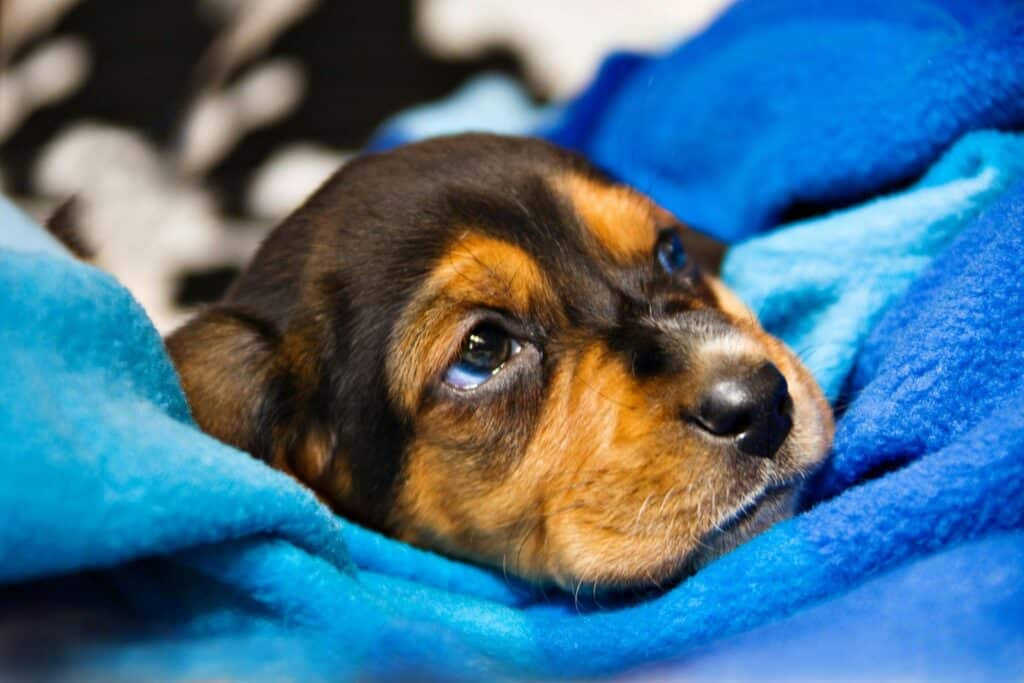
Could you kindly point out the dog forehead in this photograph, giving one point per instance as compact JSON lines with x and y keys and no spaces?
{"x":407,"y":205}
{"x":621,"y":222}
{"x":510,"y":223}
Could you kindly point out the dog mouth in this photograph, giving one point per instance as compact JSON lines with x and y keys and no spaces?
{"x":761,"y":511}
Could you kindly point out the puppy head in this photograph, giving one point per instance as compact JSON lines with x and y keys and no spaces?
{"x":482,"y":346}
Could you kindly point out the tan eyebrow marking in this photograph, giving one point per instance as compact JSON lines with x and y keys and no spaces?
{"x":621,"y":219}
{"x":476,"y":271}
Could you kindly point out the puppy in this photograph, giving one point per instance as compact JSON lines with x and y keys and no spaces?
{"x":483,"y":346}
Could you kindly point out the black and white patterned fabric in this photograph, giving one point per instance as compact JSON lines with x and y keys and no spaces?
{"x":187,"y":128}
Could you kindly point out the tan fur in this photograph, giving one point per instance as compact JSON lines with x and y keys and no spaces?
{"x":622,"y":220}
{"x":222,"y":365}
{"x":612,"y":485}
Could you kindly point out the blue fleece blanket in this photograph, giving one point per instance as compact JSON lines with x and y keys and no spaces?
{"x":134,"y":546}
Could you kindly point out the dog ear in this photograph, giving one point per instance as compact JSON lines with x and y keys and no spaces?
{"x":225,"y":360}
{"x":65,"y":224}
{"x":706,"y":251}
{"x":247,"y":387}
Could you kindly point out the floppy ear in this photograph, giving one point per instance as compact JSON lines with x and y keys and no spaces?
{"x":225,"y":360}
{"x":65,"y":224}
{"x":247,"y":386}
{"x":706,"y":251}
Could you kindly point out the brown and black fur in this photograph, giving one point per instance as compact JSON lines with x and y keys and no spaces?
{"x":574,"y":465}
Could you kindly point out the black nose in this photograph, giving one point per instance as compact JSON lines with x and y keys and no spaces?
{"x":754,"y":410}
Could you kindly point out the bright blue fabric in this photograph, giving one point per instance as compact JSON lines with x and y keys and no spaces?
{"x":793,"y":104}
{"x":134,"y":546}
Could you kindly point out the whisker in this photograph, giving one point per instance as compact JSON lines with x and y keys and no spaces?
{"x":640,"y":512}
{"x":607,"y":398}
{"x":664,"y":499}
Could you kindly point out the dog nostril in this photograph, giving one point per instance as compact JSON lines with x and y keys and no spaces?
{"x":755,"y":410}
{"x":785,"y":406}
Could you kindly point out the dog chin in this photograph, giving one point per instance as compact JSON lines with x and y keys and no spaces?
{"x":768,"y":508}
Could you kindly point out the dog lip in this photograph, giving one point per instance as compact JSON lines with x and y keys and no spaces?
{"x":723,"y":538}
{"x":730,"y":533}
{"x":749,"y":507}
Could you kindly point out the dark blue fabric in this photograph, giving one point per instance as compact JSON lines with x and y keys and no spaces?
{"x":954,"y":616}
{"x":787,"y":106}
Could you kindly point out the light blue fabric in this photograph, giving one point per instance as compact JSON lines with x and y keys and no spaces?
{"x":489,"y":103}
{"x":822,"y":284}
{"x":21,"y":233}
{"x":103,"y":467}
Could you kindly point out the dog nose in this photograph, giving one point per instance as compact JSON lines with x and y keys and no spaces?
{"x":754,"y":410}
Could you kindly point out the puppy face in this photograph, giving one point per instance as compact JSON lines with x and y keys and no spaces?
{"x":482,"y":346}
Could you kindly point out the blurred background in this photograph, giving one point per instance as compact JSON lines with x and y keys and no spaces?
{"x":186,"y":129}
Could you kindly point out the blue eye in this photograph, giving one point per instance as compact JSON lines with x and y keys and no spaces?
{"x":484,"y":351}
{"x":670,"y":252}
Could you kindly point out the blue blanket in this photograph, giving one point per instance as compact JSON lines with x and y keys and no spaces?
{"x":134,"y":546}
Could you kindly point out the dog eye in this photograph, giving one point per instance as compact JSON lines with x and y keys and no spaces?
{"x":484,"y":351}
{"x":669,"y":251}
